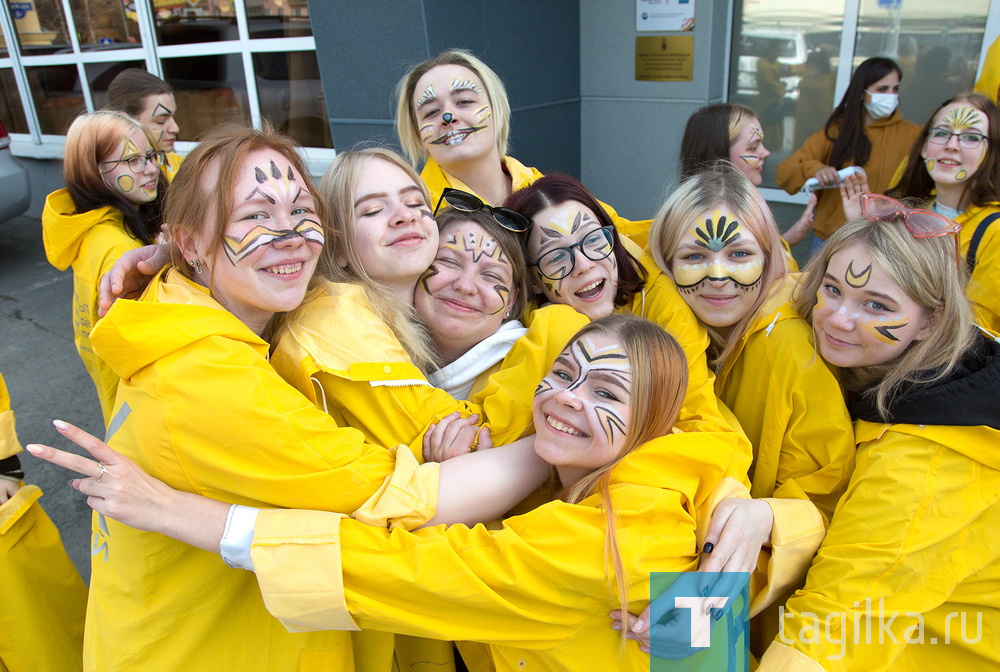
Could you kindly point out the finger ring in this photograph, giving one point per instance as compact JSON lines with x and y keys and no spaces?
{"x":104,"y":470}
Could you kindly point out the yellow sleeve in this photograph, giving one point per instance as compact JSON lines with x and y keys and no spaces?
{"x":508,"y":395}
{"x":984,"y":286}
{"x":9,"y":444}
{"x":909,"y":530}
{"x":804,"y":162}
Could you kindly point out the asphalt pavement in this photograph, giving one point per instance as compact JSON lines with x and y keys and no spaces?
{"x":44,"y":375}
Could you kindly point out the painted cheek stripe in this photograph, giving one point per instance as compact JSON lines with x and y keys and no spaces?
{"x":745,"y":275}
{"x":238,"y":249}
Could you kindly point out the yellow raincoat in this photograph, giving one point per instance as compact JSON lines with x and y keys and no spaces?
{"x":200,"y":407}
{"x":437,"y":179}
{"x":988,"y":83}
{"x":171,"y":165}
{"x":91,"y":243}
{"x":44,"y":599}
{"x":537,"y":590}
{"x":789,"y":402}
{"x":984,"y":286}
{"x":915,"y":534}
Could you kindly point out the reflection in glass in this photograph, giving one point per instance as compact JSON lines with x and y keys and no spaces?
{"x":100,"y":75}
{"x":209,"y":90}
{"x":278,"y":18}
{"x":103,"y":23}
{"x":936,"y":45}
{"x":186,"y":23}
{"x":784,"y":68}
{"x":58,"y":96}
{"x":11,"y":110}
{"x":41,"y":28}
{"x":291,"y":96}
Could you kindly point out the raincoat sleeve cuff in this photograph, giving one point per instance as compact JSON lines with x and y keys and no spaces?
{"x":9,"y":444}
{"x":407,"y":498}
{"x":727,"y":487}
{"x":796,"y":535}
{"x":238,"y":536}
{"x":296,"y":555}
{"x":782,"y":658}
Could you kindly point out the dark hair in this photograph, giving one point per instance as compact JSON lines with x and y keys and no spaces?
{"x":556,"y":188}
{"x":510,"y":244}
{"x":709,"y":135}
{"x":89,"y":140}
{"x":982,"y":188}
{"x":851,"y":144}
{"x":128,"y":91}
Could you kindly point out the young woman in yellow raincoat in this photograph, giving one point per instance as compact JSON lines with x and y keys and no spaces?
{"x":906,"y":577}
{"x":453,"y":115}
{"x":200,"y":406}
{"x":537,"y":590}
{"x":112,"y":203}
{"x":44,"y":599}
{"x":955,"y":167}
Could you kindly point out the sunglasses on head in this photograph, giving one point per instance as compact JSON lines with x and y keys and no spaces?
{"x":466,"y":202}
{"x":920,"y":223}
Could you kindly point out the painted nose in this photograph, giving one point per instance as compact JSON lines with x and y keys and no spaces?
{"x":447,"y":117}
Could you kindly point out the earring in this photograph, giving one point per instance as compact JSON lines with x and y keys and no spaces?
{"x":197,"y":266}
{"x":508,"y":314}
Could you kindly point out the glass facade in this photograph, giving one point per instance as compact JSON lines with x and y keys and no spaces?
{"x":227,"y":60}
{"x":789,"y":62}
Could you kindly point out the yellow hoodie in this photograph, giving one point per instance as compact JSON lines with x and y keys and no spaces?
{"x":200,"y":407}
{"x":91,"y":243}
{"x":44,"y":599}
{"x":437,"y":179}
{"x":984,"y":285}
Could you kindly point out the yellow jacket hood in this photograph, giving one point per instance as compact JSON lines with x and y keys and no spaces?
{"x":174,"y":312}
{"x":64,"y":228}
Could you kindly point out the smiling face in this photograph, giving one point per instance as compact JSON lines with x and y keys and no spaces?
{"x":137,"y":188}
{"x":748,"y":152}
{"x":394,"y":232}
{"x":158,"y":116}
{"x":862,"y":317}
{"x":582,"y":408}
{"x":465,"y":294}
{"x":453,"y":115}
{"x":590,"y":286}
{"x":950,"y":165}
{"x":717,"y":266}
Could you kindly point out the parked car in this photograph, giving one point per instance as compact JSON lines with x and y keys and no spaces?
{"x":14,"y":183}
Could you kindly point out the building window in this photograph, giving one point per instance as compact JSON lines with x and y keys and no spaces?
{"x":227,"y":60}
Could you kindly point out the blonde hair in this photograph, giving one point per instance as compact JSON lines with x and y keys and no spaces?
{"x":91,"y":138}
{"x":659,"y":384}
{"x":925,"y":269}
{"x":406,"y":121}
{"x":341,"y":261}
{"x":739,"y":117}
{"x":721,"y":184}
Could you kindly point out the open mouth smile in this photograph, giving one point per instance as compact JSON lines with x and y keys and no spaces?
{"x":562,"y":427}
{"x":456,"y":137}
{"x":591,"y":291}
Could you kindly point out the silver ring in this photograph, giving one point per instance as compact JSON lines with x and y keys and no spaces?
{"x":104,"y":470}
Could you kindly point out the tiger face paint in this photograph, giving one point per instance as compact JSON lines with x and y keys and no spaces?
{"x":136,"y":187}
{"x":717,"y":266}
{"x":158,"y":116}
{"x":270,"y":246}
{"x":747,"y":152}
{"x":453,"y":115}
{"x":467,"y":292}
{"x":566,"y":240}
{"x":864,"y":318}
{"x":582,"y":408}
{"x":950,"y":164}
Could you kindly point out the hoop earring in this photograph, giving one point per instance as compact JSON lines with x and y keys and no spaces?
{"x":197,"y":266}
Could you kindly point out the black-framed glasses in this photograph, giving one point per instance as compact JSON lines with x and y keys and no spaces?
{"x":966,"y":139}
{"x":137,"y":163}
{"x":466,"y":202}
{"x":559,"y":262}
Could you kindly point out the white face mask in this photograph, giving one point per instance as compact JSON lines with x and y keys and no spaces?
{"x":882,"y":105}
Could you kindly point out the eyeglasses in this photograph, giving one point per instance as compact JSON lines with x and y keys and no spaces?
{"x":137,"y":164}
{"x":466,"y":202}
{"x":920,"y":223}
{"x":966,"y":139}
{"x":558,"y":263}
